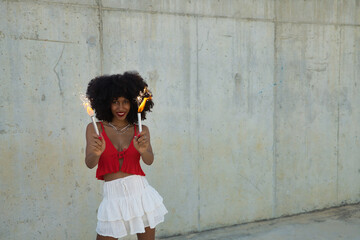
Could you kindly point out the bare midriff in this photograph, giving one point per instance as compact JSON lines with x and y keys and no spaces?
{"x":112,"y":176}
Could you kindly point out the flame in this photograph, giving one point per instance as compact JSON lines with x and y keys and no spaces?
{"x":90,"y":111}
{"x":142,"y":98}
{"x":142,"y":105}
{"x":86,"y":104}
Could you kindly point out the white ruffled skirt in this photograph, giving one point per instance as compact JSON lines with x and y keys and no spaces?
{"x":129,"y":205}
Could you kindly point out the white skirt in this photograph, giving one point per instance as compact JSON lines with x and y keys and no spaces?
{"x":129,"y":205}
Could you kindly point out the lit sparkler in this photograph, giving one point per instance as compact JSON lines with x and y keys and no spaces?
{"x":141,"y":100}
{"x":89,"y":110}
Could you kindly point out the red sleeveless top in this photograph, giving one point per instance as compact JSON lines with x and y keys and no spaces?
{"x":109,"y":159}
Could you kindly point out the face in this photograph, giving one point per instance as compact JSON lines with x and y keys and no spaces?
{"x":120,"y":108}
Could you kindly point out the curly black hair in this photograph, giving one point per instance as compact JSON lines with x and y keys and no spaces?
{"x":103,"y":90}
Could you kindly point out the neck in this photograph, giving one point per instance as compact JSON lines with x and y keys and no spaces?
{"x":119,"y":123}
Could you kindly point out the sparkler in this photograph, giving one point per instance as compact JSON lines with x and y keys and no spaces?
{"x":89,"y":110}
{"x":141,"y":101}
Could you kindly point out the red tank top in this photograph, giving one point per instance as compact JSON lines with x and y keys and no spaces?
{"x":109,"y":159}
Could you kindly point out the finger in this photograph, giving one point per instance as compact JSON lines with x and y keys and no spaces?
{"x":143,"y":138}
{"x":136,"y":143}
{"x":98,"y":142}
{"x":95,"y":145}
{"x":144,"y":142}
{"x":101,"y":138}
{"x":143,"y":133}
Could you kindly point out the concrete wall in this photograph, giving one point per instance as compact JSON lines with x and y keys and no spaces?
{"x":256,"y":108}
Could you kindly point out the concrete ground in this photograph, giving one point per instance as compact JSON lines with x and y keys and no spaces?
{"x":341,"y":223}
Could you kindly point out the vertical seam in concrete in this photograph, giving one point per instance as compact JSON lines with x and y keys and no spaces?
{"x":101,"y":34}
{"x":197,"y":115}
{"x":274,"y":210}
{"x":337,"y":154}
{"x":338,"y":123}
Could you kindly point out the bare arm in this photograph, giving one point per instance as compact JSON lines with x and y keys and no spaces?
{"x":94,"y":147}
{"x":143,"y":145}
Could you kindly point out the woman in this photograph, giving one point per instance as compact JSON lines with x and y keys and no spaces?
{"x":130,"y":205}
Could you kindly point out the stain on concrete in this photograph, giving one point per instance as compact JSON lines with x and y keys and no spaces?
{"x":237,"y":80}
{"x":153,"y":79}
{"x":344,"y":215}
{"x":259,"y":146}
{"x":91,"y":41}
{"x":237,"y":89}
{"x":319,"y":220}
{"x":344,"y":102}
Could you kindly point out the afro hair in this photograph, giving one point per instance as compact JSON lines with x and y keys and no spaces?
{"x":103,"y":90}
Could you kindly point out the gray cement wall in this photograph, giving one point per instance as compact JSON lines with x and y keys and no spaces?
{"x":256,"y":108}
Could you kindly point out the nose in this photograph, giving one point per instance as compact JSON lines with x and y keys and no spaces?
{"x":119,"y":104}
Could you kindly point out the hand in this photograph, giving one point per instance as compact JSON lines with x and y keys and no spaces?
{"x":96,"y":144}
{"x":142,"y":141}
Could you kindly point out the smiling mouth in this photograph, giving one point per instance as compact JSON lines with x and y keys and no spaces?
{"x":120,"y":114}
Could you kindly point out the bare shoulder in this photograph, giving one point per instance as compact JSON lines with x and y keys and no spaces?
{"x":145,"y":128}
{"x":90,"y":127}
